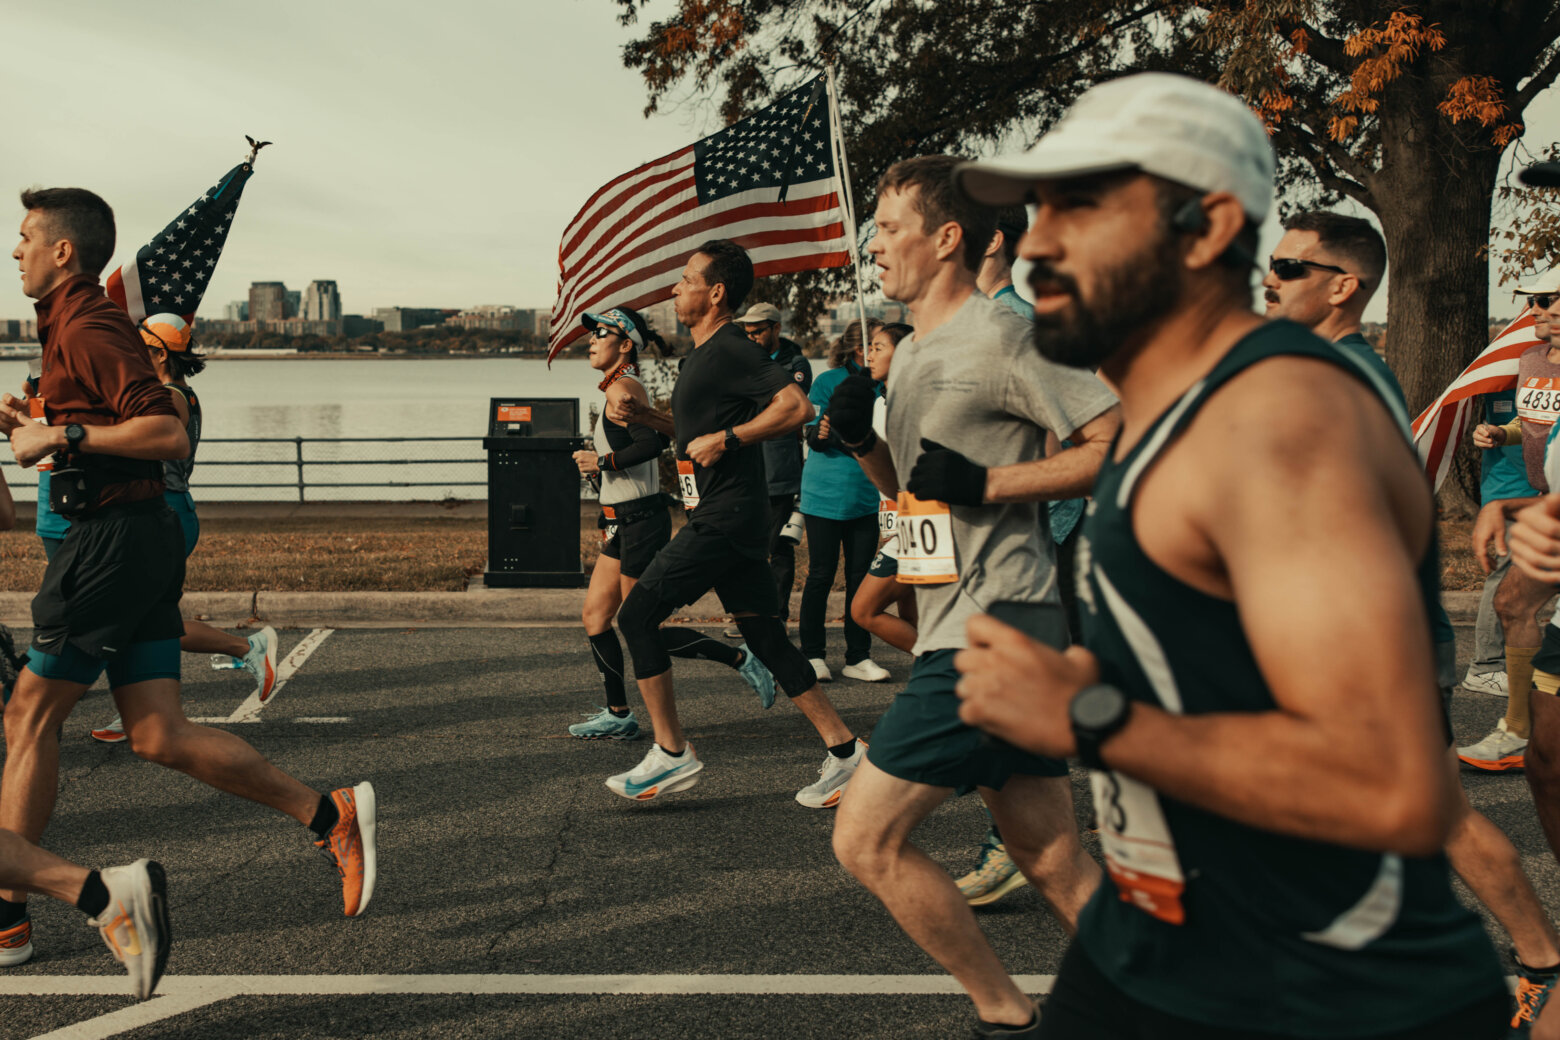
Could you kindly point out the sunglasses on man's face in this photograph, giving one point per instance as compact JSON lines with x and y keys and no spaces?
{"x":759,"y":329}
{"x":1543,"y":301}
{"x":1288,"y":269}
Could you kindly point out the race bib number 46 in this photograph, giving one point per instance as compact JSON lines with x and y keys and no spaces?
{"x":1538,"y":400}
{"x":926,"y":554}
{"x":1139,"y":850}
{"x":686,"y":485}
{"x":888,"y":517}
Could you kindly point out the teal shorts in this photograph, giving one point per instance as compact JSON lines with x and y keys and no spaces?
{"x":140,"y":662}
{"x":921,"y":739}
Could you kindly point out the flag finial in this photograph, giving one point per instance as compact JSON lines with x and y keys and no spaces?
{"x":254,"y":148}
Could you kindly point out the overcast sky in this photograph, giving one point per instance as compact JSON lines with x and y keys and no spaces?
{"x":426,"y":154}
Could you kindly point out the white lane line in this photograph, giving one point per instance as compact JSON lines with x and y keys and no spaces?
{"x":249,"y":711}
{"x":133,"y":1017}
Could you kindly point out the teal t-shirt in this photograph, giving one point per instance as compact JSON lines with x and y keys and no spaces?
{"x":50,"y":524}
{"x":833,"y":485}
{"x":1502,"y":473}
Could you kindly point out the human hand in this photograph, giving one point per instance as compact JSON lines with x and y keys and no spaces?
{"x":1487,"y":436}
{"x":823,"y":427}
{"x":31,"y":442}
{"x":1489,"y":526}
{"x":708,"y":449}
{"x":943,"y":475}
{"x":1535,"y":540}
{"x":1018,"y":689}
{"x":625,"y":409}
{"x":587,"y":462}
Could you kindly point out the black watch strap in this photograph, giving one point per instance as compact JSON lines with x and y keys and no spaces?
{"x":732,"y":440}
{"x":1097,"y":713}
{"x":75,"y":433}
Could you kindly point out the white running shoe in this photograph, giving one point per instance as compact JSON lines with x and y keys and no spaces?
{"x":261,"y":661}
{"x":865,"y":670}
{"x":658,"y":773}
{"x":113,"y":733}
{"x":135,"y":924}
{"x":1492,"y":683}
{"x":821,"y":669}
{"x":1499,"y":752}
{"x":833,"y":775}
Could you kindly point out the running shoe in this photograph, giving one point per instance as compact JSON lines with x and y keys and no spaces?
{"x":135,"y":924}
{"x":833,"y":775}
{"x":865,"y":670}
{"x":350,"y":845}
{"x":731,"y":632}
{"x":658,"y":773}
{"x":604,"y":725}
{"x":988,"y":1030}
{"x":1502,"y":750}
{"x":821,"y":669}
{"x":1532,"y":992}
{"x":113,"y":733}
{"x":16,"y":944}
{"x":994,"y":876}
{"x":260,"y":662}
{"x":1492,"y":683}
{"x":758,"y":676}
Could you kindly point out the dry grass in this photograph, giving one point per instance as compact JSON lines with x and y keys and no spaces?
{"x":1460,"y":571}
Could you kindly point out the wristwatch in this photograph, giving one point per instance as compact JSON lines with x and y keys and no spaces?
{"x":1097,"y":713}
{"x":733,"y":442}
{"x":74,"y":434}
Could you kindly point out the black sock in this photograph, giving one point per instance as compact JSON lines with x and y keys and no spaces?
{"x":608,"y":652}
{"x":1529,"y":969}
{"x":618,"y":713}
{"x":325,"y":816}
{"x":94,"y":896}
{"x":12,"y":914}
{"x":688,"y":642}
{"x":844,"y":750}
{"x":677,"y":754}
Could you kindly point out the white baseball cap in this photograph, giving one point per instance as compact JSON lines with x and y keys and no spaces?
{"x":1548,"y":283}
{"x":1174,"y":127}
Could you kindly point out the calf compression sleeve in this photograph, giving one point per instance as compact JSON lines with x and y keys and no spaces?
{"x":766,"y":640}
{"x":691,"y":643}
{"x":608,"y":652}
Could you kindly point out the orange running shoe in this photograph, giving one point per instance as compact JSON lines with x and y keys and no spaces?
{"x":350,"y":845}
{"x":16,"y":944}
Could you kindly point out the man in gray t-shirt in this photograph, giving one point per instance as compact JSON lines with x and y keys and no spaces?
{"x":969,"y":404}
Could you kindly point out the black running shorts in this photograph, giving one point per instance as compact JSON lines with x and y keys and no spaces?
{"x":699,"y":559}
{"x":116,"y":580}
{"x":635,"y":544}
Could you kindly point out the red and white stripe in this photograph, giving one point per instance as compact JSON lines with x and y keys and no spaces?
{"x":124,"y":288}
{"x":629,"y":244}
{"x":1440,"y":427}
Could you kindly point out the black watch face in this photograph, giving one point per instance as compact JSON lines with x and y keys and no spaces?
{"x":1098,"y":706}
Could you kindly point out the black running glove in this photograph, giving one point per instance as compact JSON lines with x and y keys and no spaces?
{"x":850,"y":412}
{"x":943,"y":475}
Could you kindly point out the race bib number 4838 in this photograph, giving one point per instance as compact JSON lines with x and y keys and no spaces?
{"x":926,"y":553}
{"x":1538,"y":400}
{"x":687,"y":486}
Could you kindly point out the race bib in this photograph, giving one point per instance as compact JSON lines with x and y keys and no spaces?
{"x":36,"y":412}
{"x":925,"y":531}
{"x":888,"y":517}
{"x":609,"y":532}
{"x":1139,"y":851}
{"x":686,"y":485}
{"x":1538,"y":400}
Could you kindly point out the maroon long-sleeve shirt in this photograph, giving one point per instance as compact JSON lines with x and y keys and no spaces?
{"x":97,"y":372}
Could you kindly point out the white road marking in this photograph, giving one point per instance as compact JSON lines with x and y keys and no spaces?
{"x":249,"y":711}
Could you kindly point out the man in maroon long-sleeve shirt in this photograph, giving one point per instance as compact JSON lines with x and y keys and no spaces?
{"x":110,"y":595}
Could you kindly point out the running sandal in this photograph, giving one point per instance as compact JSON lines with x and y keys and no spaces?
{"x":603,"y":725}
{"x":994,"y":876}
{"x":658,"y":773}
{"x":134,"y":926}
{"x":350,"y":845}
{"x":758,"y":676}
{"x":1499,"y":752}
{"x":260,"y":662}
{"x":833,"y":775}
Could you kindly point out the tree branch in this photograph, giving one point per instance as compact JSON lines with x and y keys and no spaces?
{"x":1544,"y":77}
{"x":1323,"y":49}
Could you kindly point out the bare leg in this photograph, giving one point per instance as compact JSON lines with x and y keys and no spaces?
{"x":604,"y":596}
{"x":1035,"y":816}
{"x":159,"y":732}
{"x":1489,"y":864}
{"x":873,"y":598}
{"x":815,"y":705}
{"x":1542,"y":766}
{"x":26,"y":867}
{"x":201,"y":638}
{"x":662,"y":706}
{"x":38,"y":708}
{"x":872,"y":841}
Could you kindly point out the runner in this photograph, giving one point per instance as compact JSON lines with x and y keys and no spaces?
{"x":1322,"y":274}
{"x":1519,"y":602}
{"x":626,"y":462}
{"x":729,"y":396}
{"x":840,"y":509}
{"x":167,"y":339}
{"x":110,"y":596}
{"x":1272,"y":816}
{"x":969,"y":405}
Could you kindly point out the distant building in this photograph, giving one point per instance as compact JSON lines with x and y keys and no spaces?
{"x":267,"y":301}
{"x":238,"y":310}
{"x":224,"y":327}
{"x":294,"y":299}
{"x":321,"y":302}
{"x":357,"y":325}
{"x":410,"y":319}
{"x":494,"y":316}
{"x":18,"y":330}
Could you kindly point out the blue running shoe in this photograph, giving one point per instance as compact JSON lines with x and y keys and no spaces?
{"x":658,"y":773}
{"x":606,"y":726}
{"x":1534,"y":988}
{"x":758,"y":676}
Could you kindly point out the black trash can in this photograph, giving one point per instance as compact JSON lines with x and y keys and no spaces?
{"x":533,"y":493}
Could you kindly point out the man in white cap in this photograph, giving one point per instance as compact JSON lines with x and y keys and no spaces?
{"x":1272,"y":818}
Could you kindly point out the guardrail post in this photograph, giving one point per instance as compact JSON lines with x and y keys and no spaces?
{"x":298,"y":444}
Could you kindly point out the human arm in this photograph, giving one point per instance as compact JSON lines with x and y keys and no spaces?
{"x":1490,"y":527}
{"x":946,"y":475}
{"x":7,"y":508}
{"x":1353,"y":751}
{"x":153,"y":437}
{"x":630,"y":409}
{"x":1535,"y":539}
{"x":1488,"y":436}
{"x":785,"y":412}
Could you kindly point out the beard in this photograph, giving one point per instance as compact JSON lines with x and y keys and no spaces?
{"x":1133,"y":293}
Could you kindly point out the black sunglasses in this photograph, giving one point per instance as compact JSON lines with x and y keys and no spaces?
{"x":603,"y":331}
{"x":1288,"y":269}
{"x":1543,"y":301}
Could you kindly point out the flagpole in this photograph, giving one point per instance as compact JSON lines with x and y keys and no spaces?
{"x":842,"y":177}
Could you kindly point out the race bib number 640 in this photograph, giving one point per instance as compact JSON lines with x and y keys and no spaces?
{"x":926,"y":552}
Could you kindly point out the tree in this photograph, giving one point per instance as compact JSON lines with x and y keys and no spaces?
{"x":1405,"y":109}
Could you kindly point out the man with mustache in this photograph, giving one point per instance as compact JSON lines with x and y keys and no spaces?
{"x":969,"y":406}
{"x":1272,"y":817}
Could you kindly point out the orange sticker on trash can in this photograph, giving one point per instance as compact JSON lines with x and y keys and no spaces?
{"x":514,"y":413}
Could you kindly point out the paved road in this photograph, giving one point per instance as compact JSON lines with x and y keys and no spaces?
{"x":502,"y":855}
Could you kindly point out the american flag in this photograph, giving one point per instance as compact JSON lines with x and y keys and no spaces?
{"x":1440,"y":427}
{"x":767,"y":182}
{"x":170,"y":273}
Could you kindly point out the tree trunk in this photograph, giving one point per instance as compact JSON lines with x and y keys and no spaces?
{"x":1432,"y":195}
